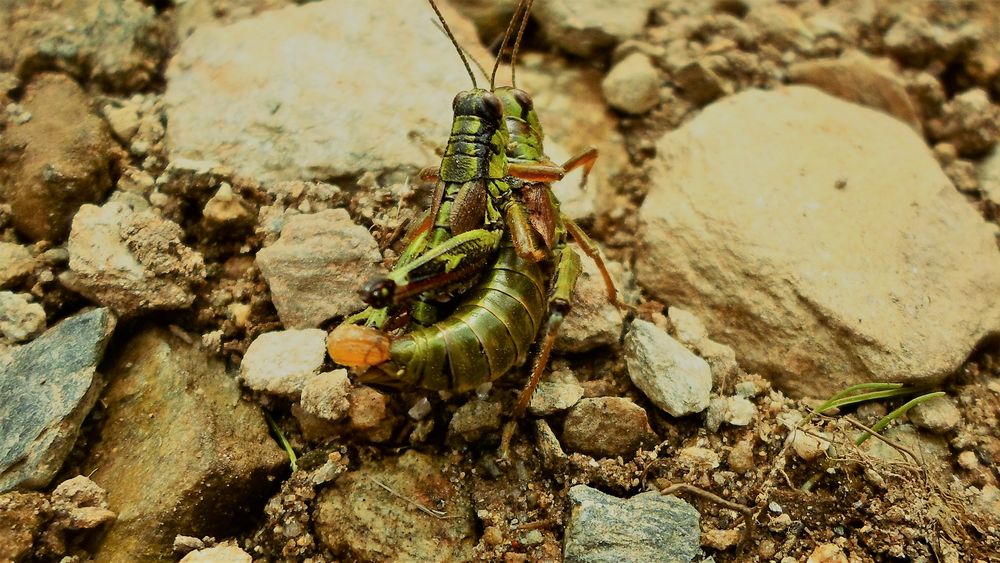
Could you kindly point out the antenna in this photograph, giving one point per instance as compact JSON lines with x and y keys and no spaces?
{"x":476,"y":62}
{"x":454,"y":42}
{"x":503,"y":44}
{"x":517,"y":42}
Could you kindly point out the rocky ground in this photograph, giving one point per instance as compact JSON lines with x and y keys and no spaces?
{"x":795,"y":196}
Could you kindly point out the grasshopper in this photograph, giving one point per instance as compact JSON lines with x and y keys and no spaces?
{"x":527,"y":286}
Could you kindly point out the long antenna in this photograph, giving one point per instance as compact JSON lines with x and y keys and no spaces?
{"x":503,"y":44}
{"x":517,"y":42}
{"x":454,"y":42}
{"x":474,"y":60}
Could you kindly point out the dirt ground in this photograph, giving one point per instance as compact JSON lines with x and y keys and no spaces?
{"x":114,"y":195}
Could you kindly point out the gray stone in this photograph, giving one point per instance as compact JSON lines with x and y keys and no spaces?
{"x":248,"y":95}
{"x":760,"y":221}
{"x":361,"y":520}
{"x":48,"y":387}
{"x":281,"y":362}
{"x":646,"y":527}
{"x":56,"y":161}
{"x":317,"y":266}
{"x":180,"y":451}
{"x":669,"y":374}
{"x":632,"y":85}
{"x":939,"y":415}
{"x":131,"y":261}
{"x":20,"y":319}
{"x":119,"y":43}
{"x":607,"y":427}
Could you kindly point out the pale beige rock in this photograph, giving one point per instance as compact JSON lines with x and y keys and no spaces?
{"x":940,"y":415}
{"x":281,"y":362}
{"x":369,"y":413}
{"x":827,"y":553}
{"x":20,"y":319}
{"x":250,"y":95}
{"x":326,"y":395}
{"x":317,"y":266}
{"x":218,"y":554}
{"x":16,"y":264}
{"x":810,"y":446}
{"x":130,"y":260}
{"x":585,"y":26}
{"x":785,"y":222}
{"x":632,"y":85}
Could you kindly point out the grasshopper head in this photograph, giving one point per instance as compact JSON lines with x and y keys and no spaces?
{"x":378,"y":292}
{"x":478,"y":103}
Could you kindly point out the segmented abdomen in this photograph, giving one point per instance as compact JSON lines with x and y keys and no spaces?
{"x":489,"y":333}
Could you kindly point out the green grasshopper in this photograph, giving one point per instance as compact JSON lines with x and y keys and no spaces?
{"x":471,"y":205}
{"x":528,"y":284}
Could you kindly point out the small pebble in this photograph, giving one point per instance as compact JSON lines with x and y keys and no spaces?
{"x":827,"y":553}
{"x":326,"y":395}
{"x":475,"y":419}
{"x":740,"y":458}
{"x":967,"y":460}
{"x":939,"y":415}
{"x":736,"y":411}
{"x":607,"y":427}
{"x":632,"y":85}
{"x":20,"y":319}
{"x":281,"y":362}
{"x":807,"y":446}
{"x":369,"y":413}
{"x":552,"y":397}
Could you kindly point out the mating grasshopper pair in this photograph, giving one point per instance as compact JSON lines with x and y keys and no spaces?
{"x":493,"y":215}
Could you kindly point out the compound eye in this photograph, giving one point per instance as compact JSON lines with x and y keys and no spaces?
{"x":379,"y":292}
{"x":523,"y":98}
{"x":458,"y":99}
{"x":493,"y":105}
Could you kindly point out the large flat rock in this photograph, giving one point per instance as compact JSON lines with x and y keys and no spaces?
{"x":322,"y":90}
{"x":819,"y":239}
{"x":180,"y":452}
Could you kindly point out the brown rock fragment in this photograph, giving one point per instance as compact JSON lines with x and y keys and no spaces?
{"x":180,"y":451}
{"x":56,"y":161}
{"x":859,"y":79}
